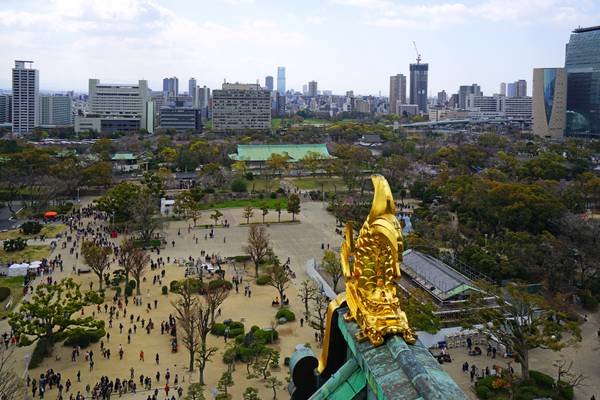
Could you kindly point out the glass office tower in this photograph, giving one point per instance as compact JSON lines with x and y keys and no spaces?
{"x":582,"y":63}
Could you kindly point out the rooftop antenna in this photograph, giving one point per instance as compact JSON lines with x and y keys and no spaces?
{"x":417,"y":51}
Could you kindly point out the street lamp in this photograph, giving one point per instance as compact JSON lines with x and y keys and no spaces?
{"x":78,"y":201}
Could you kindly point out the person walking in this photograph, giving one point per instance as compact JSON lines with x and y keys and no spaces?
{"x":141,"y":355}
{"x":157,"y":359}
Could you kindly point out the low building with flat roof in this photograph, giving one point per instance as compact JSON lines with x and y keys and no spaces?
{"x":262,"y":152}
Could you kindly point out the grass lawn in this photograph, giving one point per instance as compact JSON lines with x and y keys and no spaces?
{"x":15,"y":284}
{"x":30,"y":253}
{"x":255,"y":203}
{"x":315,"y":121}
{"x":329,"y":184}
{"x":50,"y":231}
{"x":259,"y":184}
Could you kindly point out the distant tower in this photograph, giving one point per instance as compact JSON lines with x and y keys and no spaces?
{"x":171,"y":86}
{"x":281,"y":80}
{"x":503,"y":89}
{"x":25,"y":98}
{"x":397,"y":92}
{"x":418,"y":85}
{"x":269,"y":83}
{"x":191,"y":87}
{"x":312,"y":89}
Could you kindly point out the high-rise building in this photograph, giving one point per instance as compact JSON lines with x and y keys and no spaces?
{"x":281,"y":80}
{"x":549,"y":102}
{"x":465,"y":91}
{"x":191,"y":87}
{"x":117,"y":107}
{"x":442,"y":98}
{"x":5,"y":108}
{"x":418,"y":85}
{"x":503,"y":89}
{"x":397,"y":92}
{"x":181,"y":119}
{"x":269,"y":83}
{"x":312,"y":89}
{"x":203,"y":101}
{"x":521,"y":85}
{"x":56,"y":110}
{"x":171,"y":86}
{"x":511,"y":90}
{"x":582,"y":63}
{"x":241,"y":106}
{"x":25,"y":97}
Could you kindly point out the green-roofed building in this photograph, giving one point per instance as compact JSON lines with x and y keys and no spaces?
{"x":259,"y":153}
{"x":124,"y":162}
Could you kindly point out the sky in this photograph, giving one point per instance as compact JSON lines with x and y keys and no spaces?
{"x":341,"y":44}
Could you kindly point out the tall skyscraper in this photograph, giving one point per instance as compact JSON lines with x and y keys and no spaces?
{"x":582,"y":63}
{"x":5,"y":108}
{"x":192,"y":87}
{"x":281,"y":80}
{"x":511,"y":90}
{"x":312,"y":89}
{"x":56,"y":110}
{"x":503,"y":89}
{"x":397,"y":92}
{"x":203,"y":100}
{"x":465,"y":91}
{"x":418,"y":85}
{"x":442,"y":98}
{"x":549,"y":102}
{"x":269,"y":83}
{"x":521,"y":85}
{"x":171,"y":86}
{"x":25,"y":98}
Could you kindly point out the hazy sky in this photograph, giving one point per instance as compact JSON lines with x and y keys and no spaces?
{"x":342,"y":44}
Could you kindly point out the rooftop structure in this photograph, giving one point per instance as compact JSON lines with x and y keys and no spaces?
{"x":262,"y":152}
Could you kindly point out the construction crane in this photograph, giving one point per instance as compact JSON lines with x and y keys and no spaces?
{"x":417,"y":51}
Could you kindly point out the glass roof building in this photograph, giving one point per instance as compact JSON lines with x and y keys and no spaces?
{"x":582,"y":63}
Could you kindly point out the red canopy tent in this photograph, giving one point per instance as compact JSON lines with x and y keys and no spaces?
{"x":49,"y":214}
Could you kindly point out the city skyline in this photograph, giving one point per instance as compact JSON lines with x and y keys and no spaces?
{"x":151,"y":39}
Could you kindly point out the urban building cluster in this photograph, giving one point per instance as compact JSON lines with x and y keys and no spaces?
{"x":564,"y":101}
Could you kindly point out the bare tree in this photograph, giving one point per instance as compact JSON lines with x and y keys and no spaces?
{"x":186,"y":308}
{"x":308,"y":290}
{"x":258,"y":245}
{"x":139,"y":262}
{"x":11,"y":387}
{"x":333,"y":267}
{"x":143,"y":213}
{"x":205,"y":353}
{"x":566,"y":377}
{"x":97,"y":258}
{"x":248,"y":213}
{"x":126,"y":253}
{"x":279,"y":278}
{"x":319,"y":314}
{"x":214,"y":298}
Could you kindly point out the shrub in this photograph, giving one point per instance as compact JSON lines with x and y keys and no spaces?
{"x":84,"y":337}
{"x":64,"y":208}
{"x":254,"y":328}
{"x":588,"y":301}
{"x":165,"y":290}
{"x":245,"y":354}
{"x":232,"y":333}
{"x":218,"y":329}
{"x":93,"y":297}
{"x":280,"y":190}
{"x":263,"y":279}
{"x":239,"y":186}
{"x":236,"y":325}
{"x":241,"y":258}
{"x":264,"y":337}
{"x":273,"y":195}
{"x":128,"y":290}
{"x":249,"y":176}
{"x":42,"y":348}
{"x":229,"y":355}
{"x":285,"y":313}
{"x":118,"y":291}
{"x":565,"y":390}
{"x":542,"y":379}
{"x":4,"y":293}
{"x":528,"y":393}
{"x":217,"y":283}
{"x":286,"y":361}
{"x":483,"y":392}
{"x":31,"y":228}
{"x":487,"y":382}
{"x":17,"y":244}
{"x":175,"y":286}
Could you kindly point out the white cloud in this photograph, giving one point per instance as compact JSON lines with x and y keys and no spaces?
{"x":316,"y":19}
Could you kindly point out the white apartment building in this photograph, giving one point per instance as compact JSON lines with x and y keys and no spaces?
{"x":118,"y":107}
{"x":56,"y":111}
{"x":485,"y":107}
{"x":25,"y":98}
{"x":241,"y":106}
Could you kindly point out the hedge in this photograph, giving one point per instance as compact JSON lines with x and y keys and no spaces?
{"x":285,"y":313}
{"x":483,"y":392}
{"x":4,"y":293}
{"x":84,"y":337}
{"x":264,"y":337}
{"x":565,"y":390}
{"x":42,"y":348}
{"x":263,"y":280}
{"x":542,"y":379}
{"x":218,"y":329}
{"x":31,"y":228}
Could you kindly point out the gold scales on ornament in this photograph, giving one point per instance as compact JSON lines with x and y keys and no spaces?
{"x":371,"y":265}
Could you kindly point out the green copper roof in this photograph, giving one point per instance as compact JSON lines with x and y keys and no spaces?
{"x":262,"y":152}
{"x":123,"y":157}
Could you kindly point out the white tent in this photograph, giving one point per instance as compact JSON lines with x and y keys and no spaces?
{"x":18,"y":270}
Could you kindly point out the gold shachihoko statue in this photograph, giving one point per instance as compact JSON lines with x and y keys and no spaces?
{"x":371,"y":267}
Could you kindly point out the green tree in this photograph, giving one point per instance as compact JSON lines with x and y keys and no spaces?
{"x":420,"y":310}
{"x":312,"y":161}
{"x":117,"y":201}
{"x":522,"y":321}
{"x":97,"y":258}
{"x":216,"y":215}
{"x":250,"y":394}
{"x":265,"y":210}
{"x":225,"y":382}
{"x":102,"y":147}
{"x":273,"y":383}
{"x":278,"y":207}
{"x":51,"y":313}
{"x":97,"y":174}
{"x":154,"y":183}
{"x":186,"y":205}
{"x":195,"y":392}
{"x":293,"y":205}
{"x":333,"y":267}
